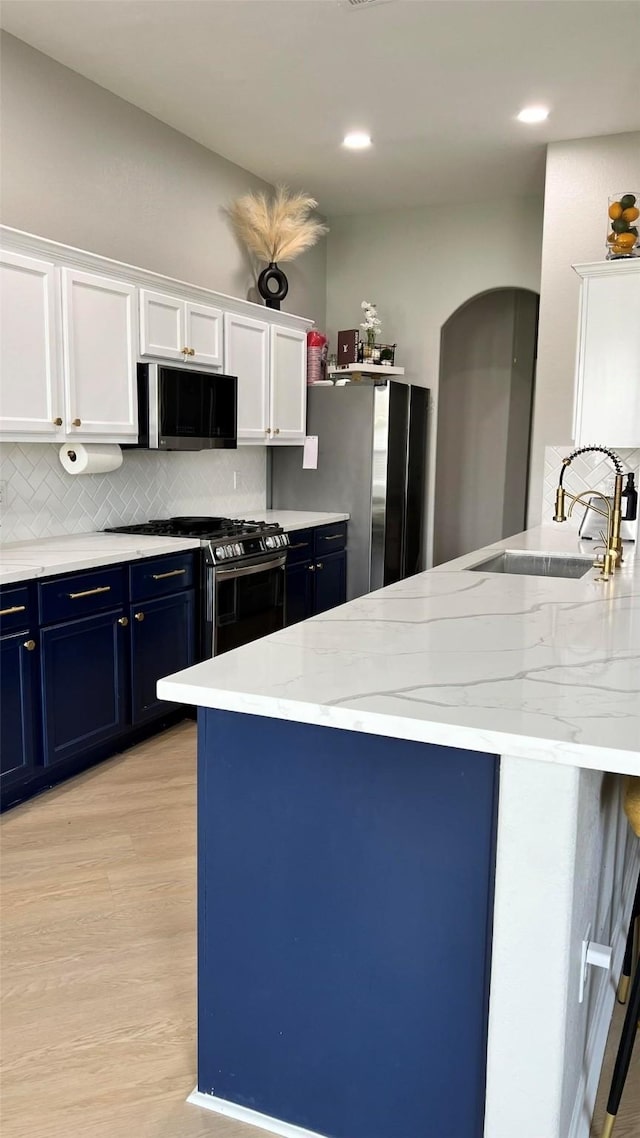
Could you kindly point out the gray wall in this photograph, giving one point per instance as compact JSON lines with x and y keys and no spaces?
{"x":581,"y":176}
{"x":420,"y":267}
{"x":484,"y":413}
{"x":83,"y":167}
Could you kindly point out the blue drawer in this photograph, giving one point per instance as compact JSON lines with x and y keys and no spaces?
{"x":330,"y":539}
{"x":161,"y":575}
{"x":17,"y":609}
{"x":301,"y":546}
{"x":64,"y":598}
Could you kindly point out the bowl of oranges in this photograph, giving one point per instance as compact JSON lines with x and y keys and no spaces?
{"x":622,"y":235}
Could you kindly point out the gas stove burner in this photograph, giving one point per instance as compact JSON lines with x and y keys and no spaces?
{"x":209,"y":529}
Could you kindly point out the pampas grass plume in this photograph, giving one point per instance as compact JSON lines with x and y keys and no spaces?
{"x":277,"y":230}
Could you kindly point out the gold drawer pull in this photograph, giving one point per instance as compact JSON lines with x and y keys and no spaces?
{"x":172,"y":573}
{"x":29,"y":645}
{"x":14,"y":608}
{"x":312,"y":568}
{"x":301,"y":545}
{"x":123,"y":620}
{"x":138,"y":616}
{"x":319,"y":565}
{"x":90,"y":592}
{"x":334,"y":537}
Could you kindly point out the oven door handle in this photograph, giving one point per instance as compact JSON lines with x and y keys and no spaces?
{"x":249,"y":570}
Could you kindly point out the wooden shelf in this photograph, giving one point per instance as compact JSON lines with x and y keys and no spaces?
{"x":365,"y":369}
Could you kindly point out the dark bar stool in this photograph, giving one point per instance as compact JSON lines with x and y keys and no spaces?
{"x":623,"y":1058}
{"x":628,"y":962}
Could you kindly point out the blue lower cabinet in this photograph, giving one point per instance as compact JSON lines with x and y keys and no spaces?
{"x":330,"y":581}
{"x":83,"y":669}
{"x":162,"y":642}
{"x":299,"y":602}
{"x":366,"y":865}
{"x":18,"y":722}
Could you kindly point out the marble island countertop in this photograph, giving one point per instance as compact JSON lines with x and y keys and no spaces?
{"x":535,"y":667}
{"x":44,"y":557}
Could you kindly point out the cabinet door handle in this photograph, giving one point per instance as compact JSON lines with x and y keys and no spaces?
{"x":57,"y":422}
{"x":319,"y":565}
{"x":14,"y":608}
{"x":171,"y":573}
{"x":277,"y":431}
{"x":123,"y":620}
{"x":29,"y":645}
{"x":300,"y":545}
{"x":189,"y":351}
{"x":267,"y":430}
{"x":138,"y":616}
{"x":334,"y":537}
{"x":312,"y":568}
{"x":90,"y":592}
{"x":76,"y":422}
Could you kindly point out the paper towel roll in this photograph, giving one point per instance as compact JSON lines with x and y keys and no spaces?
{"x":90,"y":458}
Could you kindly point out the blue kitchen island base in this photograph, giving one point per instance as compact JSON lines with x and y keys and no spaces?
{"x":345,"y":901}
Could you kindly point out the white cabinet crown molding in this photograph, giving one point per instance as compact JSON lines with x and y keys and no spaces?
{"x":70,"y":257}
{"x":608,"y":268}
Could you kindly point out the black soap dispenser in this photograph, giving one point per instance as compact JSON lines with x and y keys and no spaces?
{"x":631,"y":505}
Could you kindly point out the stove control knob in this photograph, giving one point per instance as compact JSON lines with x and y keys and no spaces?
{"x":238,"y":550}
{"x":220,"y":553}
{"x":229,"y":549}
{"x":270,"y":542}
{"x":284,"y":539}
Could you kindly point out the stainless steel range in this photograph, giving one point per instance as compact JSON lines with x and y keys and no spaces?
{"x":244,"y":575}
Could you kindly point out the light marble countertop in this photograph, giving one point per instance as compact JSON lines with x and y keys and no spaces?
{"x":44,"y":557}
{"x":301,"y":519}
{"x":535,"y":667}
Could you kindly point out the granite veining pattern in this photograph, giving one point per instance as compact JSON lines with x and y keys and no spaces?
{"x":535,"y":667}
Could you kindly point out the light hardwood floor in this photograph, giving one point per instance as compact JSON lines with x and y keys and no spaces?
{"x":98,"y":957}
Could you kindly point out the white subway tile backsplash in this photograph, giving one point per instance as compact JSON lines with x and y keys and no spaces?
{"x":41,"y":500}
{"x":587,"y":472}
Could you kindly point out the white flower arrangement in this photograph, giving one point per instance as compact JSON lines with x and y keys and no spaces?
{"x":371,"y":324}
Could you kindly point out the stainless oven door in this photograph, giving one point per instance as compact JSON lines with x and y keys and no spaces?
{"x":244,"y":602}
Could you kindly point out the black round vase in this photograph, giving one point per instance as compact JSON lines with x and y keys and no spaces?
{"x":273,"y":286}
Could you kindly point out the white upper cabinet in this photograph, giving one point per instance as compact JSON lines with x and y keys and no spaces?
{"x":175,"y":329}
{"x":31,"y":401}
{"x":607,"y":401}
{"x":100,"y":340}
{"x":247,"y":356}
{"x":204,"y":334}
{"x":288,"y":394}
{"x":162,"y":332}
{"x":270,"y":363}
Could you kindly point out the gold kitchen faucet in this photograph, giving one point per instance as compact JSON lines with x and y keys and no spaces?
{"x":612,"y":556}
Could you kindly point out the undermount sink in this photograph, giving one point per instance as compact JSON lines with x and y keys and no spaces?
{"x":528,"y":564}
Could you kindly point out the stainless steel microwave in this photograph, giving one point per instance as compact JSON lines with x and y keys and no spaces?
{"x":183,"y":409}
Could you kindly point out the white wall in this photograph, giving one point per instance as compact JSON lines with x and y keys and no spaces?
{"x":581,"y":176}
{"x":419,"y":266}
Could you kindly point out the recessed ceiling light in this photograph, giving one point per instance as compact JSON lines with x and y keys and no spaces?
{"x":357,"y":140}
{"x":533,"y":114}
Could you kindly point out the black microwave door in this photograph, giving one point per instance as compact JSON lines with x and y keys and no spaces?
{"x":196,"y":410}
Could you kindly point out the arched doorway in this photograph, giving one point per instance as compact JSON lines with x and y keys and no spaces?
{"x":485,"y":399}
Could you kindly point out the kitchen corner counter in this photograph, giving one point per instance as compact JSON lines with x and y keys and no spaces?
{"x":301,"y":519}
{"x":530,"y":667}
{"x":45,"y":557}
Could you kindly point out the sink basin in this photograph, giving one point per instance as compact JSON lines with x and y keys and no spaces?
{"x":534,"y":564}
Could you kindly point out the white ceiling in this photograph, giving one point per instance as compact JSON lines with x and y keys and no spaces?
{"x":274,"y":84}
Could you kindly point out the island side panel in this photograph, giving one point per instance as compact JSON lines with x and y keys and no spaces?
{"x":345,"y":902}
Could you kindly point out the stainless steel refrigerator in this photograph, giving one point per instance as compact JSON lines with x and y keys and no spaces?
{"x":372,"y":448}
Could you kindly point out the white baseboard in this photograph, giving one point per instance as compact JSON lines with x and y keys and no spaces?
{"x":597,"y":1039}
{"x":251,"y":1117}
